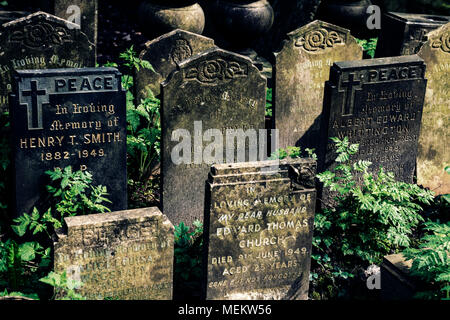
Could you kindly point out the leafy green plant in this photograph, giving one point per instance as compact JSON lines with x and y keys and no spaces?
{"x":369,"y":46}
{"x":292,"y":152}
{"x":143,"y":136}
{"x":64,"y":287}
{"x":188,"y":259}
{"x":24,"y":262}
{"x":368,"y":220}
{"x":431,"y":261}
{"x":75,"y":194}
{"x":269,"y":105}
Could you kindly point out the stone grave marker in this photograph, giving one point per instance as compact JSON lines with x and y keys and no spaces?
{"x":209,"y":95}
{"x":7,"y":16}
{"x":81,"y":12}
{"x":40,"y":41}
{"x":125,"y":255}
{"x":164,"y":53}
{"x":404,"y":33}
{"x":301,"y":70}
{"x":62,"y":117}
{"x":259,"y":221}
{"x":377,"y":104}
{"x":434,"y":153}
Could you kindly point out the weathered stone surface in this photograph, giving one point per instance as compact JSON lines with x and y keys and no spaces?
{"x":88,"y":10}
{"x":259,"y":220}
{"x":213,"y":90}
{"x":164,"y":53}
{"x":434,"y":153}
{"x":301,"y":70}
{"x":404,"y":33}
{"x":378,"y":104}
{"x":7,"y":16}
{"x":40,"y":41}
{"x":63,"y":117}
{"x":126,"y":255}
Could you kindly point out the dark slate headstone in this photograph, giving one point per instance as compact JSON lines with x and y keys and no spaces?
{"x":40,"y":41}
{"x":7,"y":16}
{"x":68,"y":117}
{"x":213,"y":90}
{"x":396,"y":280}
{"x":377,"y":104}
{"x":164,"y":53}
{"x":126,"y":255}
{"x":434,"y":154}
{"x":259,"y":222}
{"x":301,"y":68}
{"x":88,"y":11}
{"x":404,"y":33}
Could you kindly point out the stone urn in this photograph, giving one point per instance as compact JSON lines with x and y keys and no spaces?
{"x":350,"y":14}
{"x":241,"y":22}
{"x":157,"y":17}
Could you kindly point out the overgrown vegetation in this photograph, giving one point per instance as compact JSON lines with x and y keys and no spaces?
{"x":369,"y":46}
{"x":369,"y":221}
{"x":25,"y":249}
{"x":188,"y":260}
{"x":143,"y":136}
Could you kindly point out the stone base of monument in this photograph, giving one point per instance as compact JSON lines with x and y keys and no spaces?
{"x":396,"y":281}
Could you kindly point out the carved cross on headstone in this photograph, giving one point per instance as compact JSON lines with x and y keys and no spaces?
{"x":349,"y":89}
{"x":34,"y":110}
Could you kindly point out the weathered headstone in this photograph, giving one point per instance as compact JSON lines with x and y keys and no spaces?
{"x":7,"y":16}
{"x":63,"y":117}
{"x":125,"y":255}
{"x":377,"y":104}
{"x":259,"y":221}
{"x":214,"y":90}
{"x":396,"y":280}
{"x":164,"y":53}
{"x":40,"y":41}
{"x":301,"y":68}
{"x":434,"y":152}
{"x":404,"y":33}
{"x":81,"y":12}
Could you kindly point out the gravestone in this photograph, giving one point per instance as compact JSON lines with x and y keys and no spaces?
{"x":209,"y":95}
{"x":404,"y":33}
{"x":396,"y":280}
{"x":259,"y":221}
{"x":81,"y":12}
{"x":301,"y":69}
{"x":164,"y":53}
{"x":377,"y":104}
{"x":62,"y":117}
{"x":434,"y":153}
{"x":40,"y":41}
{"x":125,"y":255}
{"x":7,"y":16}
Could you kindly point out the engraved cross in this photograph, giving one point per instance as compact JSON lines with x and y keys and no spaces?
{"x":34,"y":111}
{"x":349,"y":93}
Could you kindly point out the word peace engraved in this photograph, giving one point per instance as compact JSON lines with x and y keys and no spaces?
{"x":442,"y":43}
{"x":40,"y":35}
{"x":320,"y":40}
{"x":218,"y":70}
{"x":181,"y":51}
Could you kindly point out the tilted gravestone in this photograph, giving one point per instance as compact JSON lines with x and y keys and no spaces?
{"x":301,"y":69}
{"x":68,"y":117}
{"x":377,"y":104}
{"x":404,"y":33}
{"x":434,"y":153}
{"x":125,"y":255}
{"x":259,"y":221}
{"x":209,"y":95}
{"x":81,"y":12}
{"x":40,"y":41}
{"x":164,"y":53}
